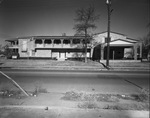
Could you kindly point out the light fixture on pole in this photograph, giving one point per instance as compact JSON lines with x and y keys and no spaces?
{"x":108,"y":3}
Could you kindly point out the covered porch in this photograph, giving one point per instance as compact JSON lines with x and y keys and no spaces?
{"x":119,"y":50}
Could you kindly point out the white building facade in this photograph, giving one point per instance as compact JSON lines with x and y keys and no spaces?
{"x":50,"y":46}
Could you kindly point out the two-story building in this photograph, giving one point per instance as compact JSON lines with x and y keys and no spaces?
{"x":50,"y":46}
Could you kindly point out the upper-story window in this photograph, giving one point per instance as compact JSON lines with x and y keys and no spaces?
{"x":57,"y":41}
{"x":14,"y":42}
{"x":48,"y":41}
{"x":76,"y":41}
{"x":38,"y":41}
{"x":66,"y":41}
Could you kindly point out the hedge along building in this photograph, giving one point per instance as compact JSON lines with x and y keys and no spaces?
{"x":50,"y":46}
{"x":120,"y":47}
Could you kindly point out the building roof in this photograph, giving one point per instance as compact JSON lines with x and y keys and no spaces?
{"x":132,"y":39}
{"x":129,"y":41}
{"x":127,"y":38}
{"x":47,"y":37}
{"x":12,"y":39}
{"x":60,"y":37}
{"x":110,"y":32}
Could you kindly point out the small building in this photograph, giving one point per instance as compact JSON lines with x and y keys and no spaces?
{"x":121,"y":47}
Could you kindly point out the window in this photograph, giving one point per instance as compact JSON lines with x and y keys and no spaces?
{"x":66,"y":41}
{"x":48,"y":41}
{"x":57,"y":41}
{"x":38,"y":41}
{"x":76,"y":41}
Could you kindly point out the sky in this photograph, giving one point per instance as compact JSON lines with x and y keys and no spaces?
{"x":19,"y":18}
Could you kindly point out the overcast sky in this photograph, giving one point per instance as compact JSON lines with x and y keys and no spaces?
{"x":54,"y":17}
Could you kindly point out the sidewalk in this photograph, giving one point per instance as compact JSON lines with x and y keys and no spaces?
{"x":69,"y":113}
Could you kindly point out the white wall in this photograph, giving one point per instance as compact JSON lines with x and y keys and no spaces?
{"x":43,"y":53}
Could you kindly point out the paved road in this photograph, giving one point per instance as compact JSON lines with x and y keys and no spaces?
{"x":85,"y":81}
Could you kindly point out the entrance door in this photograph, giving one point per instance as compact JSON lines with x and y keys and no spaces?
{"x":62,"y":54}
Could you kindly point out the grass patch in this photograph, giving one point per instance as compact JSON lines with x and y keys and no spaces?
{"x":126,"y":106}
{"x":75,"y":96}
{"x":72,"y":96}
{"x":6,"y":93}
{"x":88,"y":105}
{"x":113,"y":107}
{"x":92,"y":101}
{"x":143,"y":96}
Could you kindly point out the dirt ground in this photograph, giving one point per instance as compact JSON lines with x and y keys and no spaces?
{"x":70,"y":113}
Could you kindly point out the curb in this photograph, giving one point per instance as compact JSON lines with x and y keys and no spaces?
{"x":129,"y":69}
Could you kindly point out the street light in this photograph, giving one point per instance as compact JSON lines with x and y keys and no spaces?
{"x":108,"y":3}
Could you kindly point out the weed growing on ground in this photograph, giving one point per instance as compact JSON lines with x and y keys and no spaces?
{"x":83,"y":96}
{"x":143,"y":96}
{"x":91,"y":101}
{"x":88,"y":105}
{"x":72,"y":96}
{"x":38,"y":90}
{"x":6,"y":93}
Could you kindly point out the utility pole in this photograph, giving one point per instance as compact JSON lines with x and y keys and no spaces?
{"x":108,"y":3}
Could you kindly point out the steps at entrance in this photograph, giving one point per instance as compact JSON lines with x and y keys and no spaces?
{"x":61,"y":59}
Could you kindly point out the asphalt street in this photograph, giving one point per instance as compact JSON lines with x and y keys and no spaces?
{"x":63,"y":81}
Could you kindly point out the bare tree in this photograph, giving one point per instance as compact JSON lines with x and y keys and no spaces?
{"x":85,"y":18}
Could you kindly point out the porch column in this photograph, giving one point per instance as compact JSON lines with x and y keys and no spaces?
{"x":102,"y":52}
{"x":141,"y":51}
{"x":43,"y":40}
{"x":71,"y":42}
{"x":52,"y":42}
{"x":91,"y":53}
{"x":62,"y":42}
{"x":15,"y":43}
{"x":135,"y":51}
